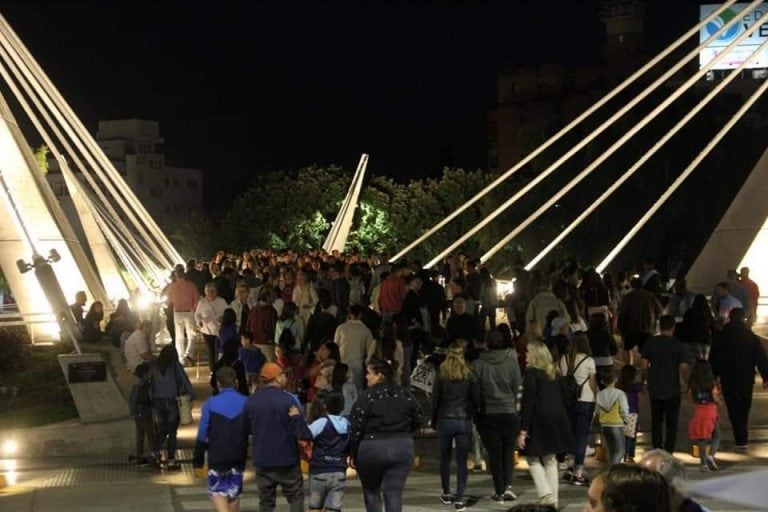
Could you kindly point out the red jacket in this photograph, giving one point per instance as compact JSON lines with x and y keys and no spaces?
{"x":391,"y":294}
{"x":261,"y":324}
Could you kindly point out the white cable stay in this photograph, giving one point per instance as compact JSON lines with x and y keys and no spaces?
{"x":82,"y":139}
{"x":732,"y":75}
{"x":622,"y":140}
{"x":626,"y":108}
{"x":680,"y":179}
{"x":88,"y":272}
{"x":596,"y":106}
{"x":28,"y":89}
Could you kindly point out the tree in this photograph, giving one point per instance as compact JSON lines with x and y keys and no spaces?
{"x":196,"y":237}
{"x":41,"y":157}
{"x":286,"y":210}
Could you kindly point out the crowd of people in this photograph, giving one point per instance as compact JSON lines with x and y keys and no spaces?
{"x":335,"y":358}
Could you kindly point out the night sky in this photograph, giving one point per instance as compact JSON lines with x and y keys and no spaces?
{"x":244,"y":87}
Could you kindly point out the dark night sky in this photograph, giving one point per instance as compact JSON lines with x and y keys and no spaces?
{"x":241,"y":87}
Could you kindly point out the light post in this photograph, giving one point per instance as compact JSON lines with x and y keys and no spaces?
{"x":45,"y":275}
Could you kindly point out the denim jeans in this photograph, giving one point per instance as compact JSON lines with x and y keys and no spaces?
{"x":581,"y":420}
{"x":165,"y":413}
{"x":447,"y":431}
{"x":326,"y":491}
{"x":629,"y":446}
{"x":613,"y":436}
{"x":713,"y":443}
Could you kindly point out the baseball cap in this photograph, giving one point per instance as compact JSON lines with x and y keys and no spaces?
{"x":271,"y":371}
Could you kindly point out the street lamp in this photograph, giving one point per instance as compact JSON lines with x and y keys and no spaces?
{"x":45,"y":275}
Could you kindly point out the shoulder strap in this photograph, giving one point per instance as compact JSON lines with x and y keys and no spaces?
{"x":571,"y":371}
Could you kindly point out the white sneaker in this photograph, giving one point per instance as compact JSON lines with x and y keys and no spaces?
{"x":547,"y":500}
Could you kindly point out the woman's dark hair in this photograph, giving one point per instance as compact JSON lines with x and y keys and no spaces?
{"x":700,"y":305}
{"x":494,"y":339}
{"x":229,"y":351}
{"x":383,"y":368}
{"x":551,"y":316}
{"x":333,"y":348}
{"x":167,"y":358}
{"x":506,"y":332}
{"x":598,"y":322}
{"x":339,"y":376}
{"x":228,"y":317}
{"x":629,"y":488}
{"x":578,"y":345}
{"x":627,"y":377}
{"x":122,"y":307}
{"x":702,"y":378}
{"x":290,"y":310}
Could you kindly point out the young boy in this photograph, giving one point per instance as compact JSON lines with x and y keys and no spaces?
{"x":328,"y":465}
{"x":612,"y":413}
{"x":224,"y":435}
{"x":252,"y":358}
{"x":141,"y":409}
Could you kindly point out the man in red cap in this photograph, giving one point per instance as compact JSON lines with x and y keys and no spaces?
{"x":276,"y":425}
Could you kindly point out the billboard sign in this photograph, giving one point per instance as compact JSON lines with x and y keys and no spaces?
{"x":742,"y":52}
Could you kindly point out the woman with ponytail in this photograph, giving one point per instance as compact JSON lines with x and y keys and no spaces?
{"x":384,"y":419}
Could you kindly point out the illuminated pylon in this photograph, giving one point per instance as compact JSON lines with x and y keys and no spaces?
{"x":740,"y":239}
{"x":337,"y":236}
{"x":37,"y":210}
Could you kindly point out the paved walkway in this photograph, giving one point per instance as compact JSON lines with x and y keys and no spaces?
{"x":68,"y":485}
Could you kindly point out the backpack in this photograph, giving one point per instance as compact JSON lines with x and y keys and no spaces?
{"x":287,"y":339}
{"x":570,"y":390}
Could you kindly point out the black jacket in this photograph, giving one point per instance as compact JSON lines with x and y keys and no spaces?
{"x":384,"y":411}
{"x":455,"y":399}
{"x":602,"y":343}
{"x":465,"y":327}
{"x":736,"y":352}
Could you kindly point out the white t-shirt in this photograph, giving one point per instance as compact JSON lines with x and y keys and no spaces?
{"x":135,"y":345}
{"x":581,"y":374}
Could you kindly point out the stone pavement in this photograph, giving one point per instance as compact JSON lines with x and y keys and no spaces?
{"x":67,"y":485}
{"x":114,"y":484}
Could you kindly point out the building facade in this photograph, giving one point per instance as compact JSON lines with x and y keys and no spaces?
{"x":170,"y":194}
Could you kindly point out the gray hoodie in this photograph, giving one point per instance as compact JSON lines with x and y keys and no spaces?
{"x":606,"y":399}
{"x":499,"y":376}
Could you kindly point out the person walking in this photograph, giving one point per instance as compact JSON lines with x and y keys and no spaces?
{"x":736,"y":352}
{"x":224,"y":435}
{"x":704,"y":425}
{"x":354,"y":340}
{"x":208,"y":315}
{"x":499,"y":376}
{"x":667,"y":360}
{"x":612,"y":414}
{"x":455,"y":398}
{"x":169,"y":381}
{"x":544,"y":427}
{"x":383,"y":419}
{"x":578,"y":362}
{"x":638,"y":312}
{"x":182,"y":298}
{"x":330,"y":451}
{"x":276,"y":425}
